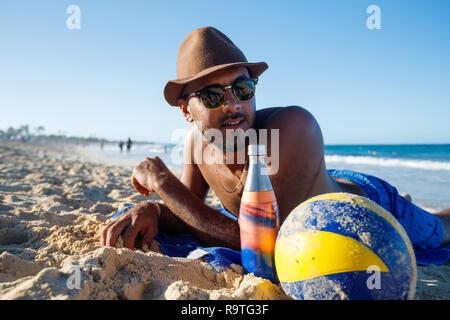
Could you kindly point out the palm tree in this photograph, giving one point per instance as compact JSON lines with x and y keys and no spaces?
{"x":39,"y":130}
{"x":11,"y":132}
{"x":24,"y":131}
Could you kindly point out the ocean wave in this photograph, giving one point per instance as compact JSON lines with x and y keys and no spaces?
{"x":387,"y":162}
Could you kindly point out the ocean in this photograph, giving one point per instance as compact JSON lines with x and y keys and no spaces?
{"x":423,"y":171}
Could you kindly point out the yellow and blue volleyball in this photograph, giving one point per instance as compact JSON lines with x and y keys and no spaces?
{"x":344,"y":246}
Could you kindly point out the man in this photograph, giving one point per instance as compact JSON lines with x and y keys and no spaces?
{"x":215,"y":91}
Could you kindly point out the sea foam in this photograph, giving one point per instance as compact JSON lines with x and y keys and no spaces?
{"x":386,"y":162}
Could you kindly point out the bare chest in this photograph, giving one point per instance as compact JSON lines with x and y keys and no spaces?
{"x":226,"y":181}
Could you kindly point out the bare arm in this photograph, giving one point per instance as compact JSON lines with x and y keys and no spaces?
{"x":208,"y":225}
{"x":185,"y":204}
{"x":184,"y":209}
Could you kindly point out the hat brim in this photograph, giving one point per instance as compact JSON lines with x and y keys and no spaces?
{"x":174,"y":88}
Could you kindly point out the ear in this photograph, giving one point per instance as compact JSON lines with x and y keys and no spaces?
{"x":184,"y":107}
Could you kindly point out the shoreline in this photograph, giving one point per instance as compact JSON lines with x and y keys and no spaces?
{"x":53,"y":203}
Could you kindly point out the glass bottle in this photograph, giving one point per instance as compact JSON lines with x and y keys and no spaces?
{"x":259,"y":219}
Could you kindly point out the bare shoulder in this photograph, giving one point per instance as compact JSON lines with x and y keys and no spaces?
{"x":297,"y":156}
{"x":269,"y":117}
{"x":300,"y":141}
{"x":293,"y":121}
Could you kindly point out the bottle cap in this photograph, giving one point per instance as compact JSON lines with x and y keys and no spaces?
{"x":256,"y":149}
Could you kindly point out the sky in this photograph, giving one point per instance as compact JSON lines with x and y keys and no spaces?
{"x":106,"y":79}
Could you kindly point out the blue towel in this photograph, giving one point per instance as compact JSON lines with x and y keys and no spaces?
{"x":184,"y":245}
{"x":423,"y":228}
{"x":433,"y":256}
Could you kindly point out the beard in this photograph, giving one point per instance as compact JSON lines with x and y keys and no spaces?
{"x":229,"y":140}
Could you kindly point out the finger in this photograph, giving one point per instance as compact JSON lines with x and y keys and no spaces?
{"x":145,"y":192}
{"x":129,"y":236}
{"x":139,"y":188}
{"x":136,"y":184}
{"x":148,"y":238}
{"x":114,"y":232}
{"x":103,"y":233}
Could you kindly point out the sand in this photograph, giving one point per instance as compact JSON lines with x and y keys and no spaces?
{"x":53,"y":202}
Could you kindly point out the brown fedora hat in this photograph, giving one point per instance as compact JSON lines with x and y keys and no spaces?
{"x":203,"y":51}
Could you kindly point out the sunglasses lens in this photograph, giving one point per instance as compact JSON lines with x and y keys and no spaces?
{"x":212,"y":97}
{"x":244,"y":90}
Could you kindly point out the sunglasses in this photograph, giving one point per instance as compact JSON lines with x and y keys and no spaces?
{"x":213,"y":96}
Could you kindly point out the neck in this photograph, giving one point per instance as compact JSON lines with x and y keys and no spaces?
{"x":234,"y":157}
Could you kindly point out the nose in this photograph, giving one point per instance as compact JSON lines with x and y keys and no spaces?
{"x":230,"y":103}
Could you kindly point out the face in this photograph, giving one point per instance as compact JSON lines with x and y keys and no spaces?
{"x":232,"y":114}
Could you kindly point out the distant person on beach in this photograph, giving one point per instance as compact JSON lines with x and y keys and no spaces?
{"x":215,"y":90}
{"x":129,"y":143}
{"x":102,"y":143}
{"x":121,"y":146}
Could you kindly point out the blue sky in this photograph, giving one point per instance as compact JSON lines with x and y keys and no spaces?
{"x":106,"y":80}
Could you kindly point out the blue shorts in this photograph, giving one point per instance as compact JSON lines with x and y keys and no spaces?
{"x":423,"y":228}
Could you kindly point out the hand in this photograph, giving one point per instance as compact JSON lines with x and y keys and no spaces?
{"x":138,"y":225}
{"x":148,"y":174}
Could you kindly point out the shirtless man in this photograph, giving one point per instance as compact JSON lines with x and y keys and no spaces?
{"x":207,"y":57}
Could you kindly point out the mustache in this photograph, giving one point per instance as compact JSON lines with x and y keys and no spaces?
{"x":233,"y":117}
